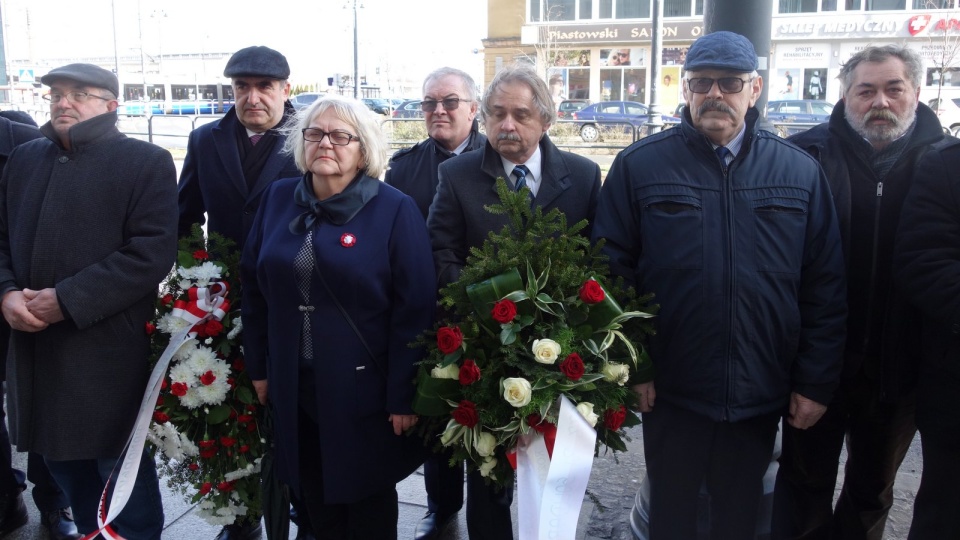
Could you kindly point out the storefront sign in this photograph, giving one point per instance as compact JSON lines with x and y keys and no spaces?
{"x":805,"y":55}
{"x":612,"y":33}
{"x":839,"y":27}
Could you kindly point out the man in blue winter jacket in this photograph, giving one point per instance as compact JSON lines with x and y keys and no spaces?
{"x":735,"y":232}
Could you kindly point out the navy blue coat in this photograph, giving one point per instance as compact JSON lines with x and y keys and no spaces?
{"x":212,"y":181}
{"x":746,"y":265}
{"x":385,"y":281}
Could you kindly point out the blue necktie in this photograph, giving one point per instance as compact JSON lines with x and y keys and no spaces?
{"x":521,"y":172}
{"x":722,"y":153}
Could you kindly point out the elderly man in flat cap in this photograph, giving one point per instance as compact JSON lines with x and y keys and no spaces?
{"x":87,"y":231}
{"x":230,"y":163}
{"x":735,"y":232}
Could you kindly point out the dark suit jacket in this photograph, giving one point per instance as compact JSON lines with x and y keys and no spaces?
{"x":212,"y":181}
{"x":458,"y":221}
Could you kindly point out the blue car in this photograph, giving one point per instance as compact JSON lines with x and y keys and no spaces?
{"x":593,"y":117}
{"x":803,"y":112}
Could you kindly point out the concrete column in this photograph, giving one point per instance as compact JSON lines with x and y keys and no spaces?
{"x":750,"y":18}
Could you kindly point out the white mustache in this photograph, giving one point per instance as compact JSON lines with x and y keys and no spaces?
{"x":508,"y":137}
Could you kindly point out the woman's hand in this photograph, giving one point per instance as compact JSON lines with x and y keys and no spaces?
{"x":401,"y":422}
{"x":261,"y":388}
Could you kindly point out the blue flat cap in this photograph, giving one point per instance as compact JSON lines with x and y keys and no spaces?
{"x":258,"y":61}
{"x":86,"y":74}
{"x":722,"y":50}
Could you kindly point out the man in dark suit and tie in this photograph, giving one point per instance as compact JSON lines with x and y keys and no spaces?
{"x":517,"y":111}
{"x":231,"y":162}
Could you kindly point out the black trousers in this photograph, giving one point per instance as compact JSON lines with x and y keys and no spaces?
{"x":877,"y":436}
{"x":372,"y":518}
{"x":684,"y":451}
{"x":488,"y":510}
{"x":936,"y":511}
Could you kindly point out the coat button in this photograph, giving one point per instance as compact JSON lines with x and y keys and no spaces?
{"x":955,"y":329}
{"x":247,"y":211}
{"x":63,"y":159}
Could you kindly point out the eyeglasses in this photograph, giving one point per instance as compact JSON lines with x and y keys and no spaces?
{"x":73,"y":97}
{"x":449,"y":104}
{"x":728,"y":85}
{"x":337,"y":138}
{"x":623,"y":55}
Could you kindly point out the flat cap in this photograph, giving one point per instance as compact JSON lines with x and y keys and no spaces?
{"x":257,"y":61}
{"x":87,"y":74}
{"x":722,"y":50}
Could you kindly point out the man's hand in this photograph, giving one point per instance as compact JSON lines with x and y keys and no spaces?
{"x":646,"y":395}
{"x":804,"y":412}
{"x":43,"y":304}
{"x":17,"y":315}
{"x":402,"y":422}
{"x":261,"y":388}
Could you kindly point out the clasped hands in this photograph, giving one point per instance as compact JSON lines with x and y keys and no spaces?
{"x":31,"y":311}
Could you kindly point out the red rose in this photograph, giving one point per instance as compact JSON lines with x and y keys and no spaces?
{"x":193,"y":467}
{"x":164,"y":384}
{"x":244,"y":418}
{"x":150,"y":327}
{"x":252,"y":408}
{"x":178,"y":389}
{"x":160,"y":401}
{"x":538,"y":424}
{"x":167,"y":299}
{"x":613,"y":419}
{"x":244,"y":449}
{"x":225,"y":486}
{"x":213,"y":328}
{"x":251,"y":427}
{"x":208,"y":453}
{"x":466,"y":414}
{"x":449,"y":339}
{"x":208,"y":378}
{"x":572,"y":367}
{"x":207,"y":443}
{"x":233,"y":384}
{"x":205,"y":488}
{"x":504,"y":311}
{"x":160,"y":418}
{"x":201,"y":255}
{"x":591,"y":292}
{"x":238,"y":364}
{"x":469,"y":372}
{"x":227,"y":441}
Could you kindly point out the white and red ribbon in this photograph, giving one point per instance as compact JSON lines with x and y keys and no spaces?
{"x":211,"y":300}
{"x":550,"y":491}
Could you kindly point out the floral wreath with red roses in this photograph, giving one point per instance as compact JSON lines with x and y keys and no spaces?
{"x":533,"y":316}
{"x":205,"y":424}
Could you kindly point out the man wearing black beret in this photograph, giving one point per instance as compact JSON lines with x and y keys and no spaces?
{"x":735,"y":232}
{"x":87,"y":231}
{"x":231,"y":162}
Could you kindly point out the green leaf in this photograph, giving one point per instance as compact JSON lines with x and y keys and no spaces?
{"x":218,"y":414}
{"x":516,"y":296}
{"x":245,"y":395}
{"x":508,"y":334}
{"x":451,"y":358}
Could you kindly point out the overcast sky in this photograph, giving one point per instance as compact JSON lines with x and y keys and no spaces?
{"x":410,"y":37}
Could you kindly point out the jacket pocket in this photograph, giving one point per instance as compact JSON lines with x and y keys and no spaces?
{"x":672,"y":231}
{"x":781,"y":225}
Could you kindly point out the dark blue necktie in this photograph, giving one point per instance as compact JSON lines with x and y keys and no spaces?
{"x":722,"y":153}
{"x":521,"y":172}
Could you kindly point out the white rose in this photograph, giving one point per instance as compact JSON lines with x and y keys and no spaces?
{"x":487,"y":467}
{"x":618,"y":373}
{"x":485,"y":444}
{"x":517,"y":391}
{"x":450,"y":372}
{"x":546,"y":351}
{"x":585,"y":408}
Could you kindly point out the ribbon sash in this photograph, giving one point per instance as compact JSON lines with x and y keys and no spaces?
{"x":551,"y":491}
{"x":108,"y":511}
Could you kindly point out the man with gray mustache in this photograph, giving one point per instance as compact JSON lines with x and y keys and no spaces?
{"x":876,"y":136}
{"x":735,"y":233}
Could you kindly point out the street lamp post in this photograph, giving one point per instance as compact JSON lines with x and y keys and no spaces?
{"x":356,"y":55}
{"x":159,"y":14}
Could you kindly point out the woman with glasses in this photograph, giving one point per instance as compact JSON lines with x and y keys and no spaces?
{"x":338,"y":280}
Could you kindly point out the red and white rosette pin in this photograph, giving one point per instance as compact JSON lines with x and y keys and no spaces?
{"x":348,"y":240}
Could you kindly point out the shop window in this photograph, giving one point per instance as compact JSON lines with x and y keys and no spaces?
{"x":798,"y":6}
{"x":606,"y":9}
{"x":586,"y":9}
{"x":884,"y":5}
{"x":676,"y":8}
{"x":633,"y":9}
{"x":698,"y":10}
{"x":534,"y":11}
{"x":560,"y":10}
{"x":828,"y":5}
{"x":853,"y":5}
{"x":932,"y":4}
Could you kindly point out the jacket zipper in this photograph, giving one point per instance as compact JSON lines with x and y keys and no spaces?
{"x":731,"y":285}
{"x":873,"y":264}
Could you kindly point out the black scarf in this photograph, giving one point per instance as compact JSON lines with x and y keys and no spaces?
{"x":338,"y":209}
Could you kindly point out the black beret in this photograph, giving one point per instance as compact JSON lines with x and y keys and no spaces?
{"x":258,"y":61}
{"x":87,"y":74}
{"x":722,"y":50}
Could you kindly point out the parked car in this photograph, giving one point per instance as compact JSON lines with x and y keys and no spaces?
{"x":305,"y":99}
{"x":567,"y":107}
{"x":408,"y":109}
{"x":593,"y":117}
{"x":378,"y":105}
{"x":798,"y":111}
{"x":948,"y":111}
